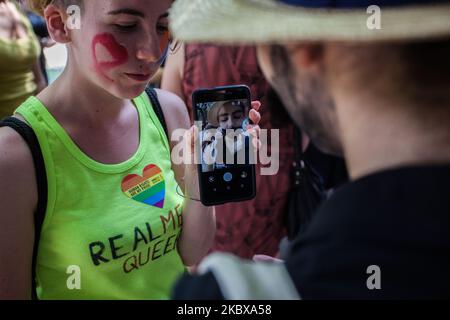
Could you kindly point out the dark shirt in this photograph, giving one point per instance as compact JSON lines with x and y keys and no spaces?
{"x":39,"y":24}
{"x":398,"y":220}
{"x":331,"y":169}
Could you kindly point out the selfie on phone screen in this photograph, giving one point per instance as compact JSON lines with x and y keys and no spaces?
{"x":225,"y":136}
{"x":226,"y":169}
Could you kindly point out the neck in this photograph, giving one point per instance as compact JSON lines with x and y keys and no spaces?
{"x":73,"y":97}
{"x":378,"y":135}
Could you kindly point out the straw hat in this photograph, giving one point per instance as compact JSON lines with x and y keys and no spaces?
{"x":262,"y":21}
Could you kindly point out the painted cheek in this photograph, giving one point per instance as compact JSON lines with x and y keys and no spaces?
{"x":107,"y":53}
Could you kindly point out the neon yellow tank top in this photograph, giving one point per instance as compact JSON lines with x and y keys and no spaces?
{"x":110,"y":231}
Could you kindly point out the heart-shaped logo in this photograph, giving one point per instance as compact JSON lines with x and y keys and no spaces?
{"x":149,"y":189}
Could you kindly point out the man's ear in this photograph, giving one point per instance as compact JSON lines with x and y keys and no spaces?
{"x":307,"y":56}
{"x":56,"y":19}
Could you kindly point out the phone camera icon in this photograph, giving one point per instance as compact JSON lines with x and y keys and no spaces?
{"x":227,"y":177}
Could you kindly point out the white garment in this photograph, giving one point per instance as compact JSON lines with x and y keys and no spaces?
{"x":240,"y":279}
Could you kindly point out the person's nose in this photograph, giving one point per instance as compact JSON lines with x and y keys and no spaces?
{"x":149,"y":50}
{"x":229,"y":123}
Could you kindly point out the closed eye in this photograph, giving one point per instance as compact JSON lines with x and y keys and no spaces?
{"x":126,"y":27}
{"x":237,"y":115}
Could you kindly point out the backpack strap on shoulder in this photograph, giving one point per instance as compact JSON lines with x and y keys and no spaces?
{"x":153,"y":96}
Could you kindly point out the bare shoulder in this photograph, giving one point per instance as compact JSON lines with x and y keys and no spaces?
{"x":174,"y":109}
{"x":18,"y":199}
{"x":16,"y":168}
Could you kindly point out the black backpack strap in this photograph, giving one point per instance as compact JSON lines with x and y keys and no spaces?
{"x":153,"y":96}
{"x":27,"y":133}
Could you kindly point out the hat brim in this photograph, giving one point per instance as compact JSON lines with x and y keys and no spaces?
{"x":264,"y":21}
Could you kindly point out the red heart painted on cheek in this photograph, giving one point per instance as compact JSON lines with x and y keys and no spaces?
{"x":103,"y":55}
{"x":107,"y":52}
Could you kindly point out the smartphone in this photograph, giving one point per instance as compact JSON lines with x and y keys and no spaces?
{"x":226,"y":157}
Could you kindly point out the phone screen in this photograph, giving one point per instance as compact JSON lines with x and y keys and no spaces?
{"x":227,"y":155}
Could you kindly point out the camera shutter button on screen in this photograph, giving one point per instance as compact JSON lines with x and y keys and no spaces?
{"x":227,"y":177}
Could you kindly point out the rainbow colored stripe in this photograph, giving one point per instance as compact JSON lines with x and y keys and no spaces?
{"x":149,"y":189}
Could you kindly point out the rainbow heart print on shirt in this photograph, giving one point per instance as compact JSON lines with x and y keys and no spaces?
{"x":149,"y":188}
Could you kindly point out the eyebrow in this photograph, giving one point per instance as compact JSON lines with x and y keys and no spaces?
{"x":133,"y":12}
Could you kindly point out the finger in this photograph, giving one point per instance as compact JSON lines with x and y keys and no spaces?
{"x":255,"y":116}
{"x":256,"y":143}
{"x":191,"y":135}
{"x":254,"y":130}
{"x":254,"y":133}
{"x":187,"y":137}
{"x":256,"y":105}
{"x":195,"y":133}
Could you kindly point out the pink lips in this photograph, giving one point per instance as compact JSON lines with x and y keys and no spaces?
{"x":138,"y":77}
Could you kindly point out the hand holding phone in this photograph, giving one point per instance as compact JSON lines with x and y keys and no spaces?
{"x":227,"y":156}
